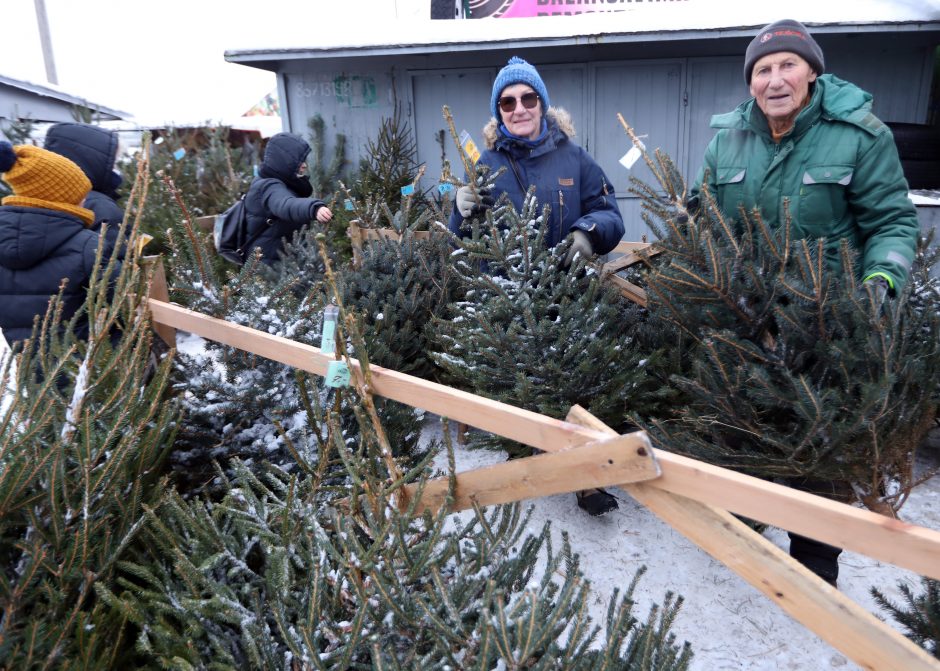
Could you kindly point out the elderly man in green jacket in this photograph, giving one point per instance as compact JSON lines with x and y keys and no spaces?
{"x":807,"y":143}
{"x":810,"y":139}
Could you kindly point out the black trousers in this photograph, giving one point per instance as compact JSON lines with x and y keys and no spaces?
{"x":820,"y":558}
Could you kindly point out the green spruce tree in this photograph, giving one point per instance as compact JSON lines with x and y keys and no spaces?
{"x":794,"y":371}
{"x":201,"y":163}
{"x":285,"y":572}
{"x":919,"y":614}
{"x":82,"y":440}
{"x":537,"y":336}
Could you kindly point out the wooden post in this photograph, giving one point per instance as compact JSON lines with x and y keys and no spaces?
{"x":823,"y":609}
{"x":355,"y":238}
{"x":159,"y":291}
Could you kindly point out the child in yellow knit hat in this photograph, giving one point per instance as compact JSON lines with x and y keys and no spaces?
{"x":44,"y":237}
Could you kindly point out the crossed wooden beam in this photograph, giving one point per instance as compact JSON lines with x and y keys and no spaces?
{"x":691,"y":496}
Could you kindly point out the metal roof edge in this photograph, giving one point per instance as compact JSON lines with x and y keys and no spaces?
{"x":249,"y":56}
{"x":51,"y":91}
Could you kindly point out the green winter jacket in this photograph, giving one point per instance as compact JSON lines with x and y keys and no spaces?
{"x":837,"y":168}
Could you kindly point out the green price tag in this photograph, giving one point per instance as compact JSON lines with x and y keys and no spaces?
{"x":337,"y":374}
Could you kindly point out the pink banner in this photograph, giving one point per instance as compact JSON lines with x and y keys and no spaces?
{"x":509,"y":9}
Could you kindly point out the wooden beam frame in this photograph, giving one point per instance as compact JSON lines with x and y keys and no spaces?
{"x":893,"y":541}
{"x":603,"y":463}
{"x":633,"y":252}
{"x":359,"y":235}
{"x":823,"y":609}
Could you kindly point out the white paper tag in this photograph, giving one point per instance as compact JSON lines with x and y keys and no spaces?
{"x":632,"y":156}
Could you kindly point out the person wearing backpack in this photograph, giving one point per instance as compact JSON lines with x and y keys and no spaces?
{"x":279,"y":201}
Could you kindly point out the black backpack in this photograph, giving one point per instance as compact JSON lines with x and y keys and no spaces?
{"x":230,"y":233}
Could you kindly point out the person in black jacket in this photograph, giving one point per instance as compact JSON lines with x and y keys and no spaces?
{"x":45,"y":238}
{"x":279,"y":201}
{"x":94,"y":150}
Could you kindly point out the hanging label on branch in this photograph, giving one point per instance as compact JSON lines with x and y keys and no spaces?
{"x":337,"y":374}
{"x":328,"y":338}
{"x":179,"y":153}
{"x":469,"y":146}
{"x":632,"y":156}
{"x":348,"y":204}
{"x":408,"y":190}
{"x":445,"y":187}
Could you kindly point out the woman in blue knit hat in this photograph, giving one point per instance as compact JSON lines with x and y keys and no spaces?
{"x":532,"y":140}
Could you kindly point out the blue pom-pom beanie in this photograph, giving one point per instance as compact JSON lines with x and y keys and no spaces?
{"x":518,"y":71}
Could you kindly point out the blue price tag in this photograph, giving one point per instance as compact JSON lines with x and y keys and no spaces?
{"x":348,"y":204}
{"x":179,"y":153}
{"x":408,"y":190}
{"x":445,"y":187}
{"x":337,"y":374}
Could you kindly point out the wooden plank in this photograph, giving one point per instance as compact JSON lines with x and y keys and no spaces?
{"x":905,"y":545}
{"x":603,"y":463}
{"x":909,"y":546}
{"x":355,"y":237}
{"x":389,"y":234}
{"x":628,"y":289}
{"x":159,"y":291}
{"x":629,"y":259}
{"x":627,"y":247}
{"x":823,"y":609}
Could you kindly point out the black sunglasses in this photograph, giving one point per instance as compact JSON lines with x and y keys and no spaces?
{"x":529,"y":100}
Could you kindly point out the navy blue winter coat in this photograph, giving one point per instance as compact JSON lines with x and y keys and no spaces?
{"x":565,"y":177}
{"x":94,"y":150}
{"x":38,"y":248}
{"x":278,"y":201}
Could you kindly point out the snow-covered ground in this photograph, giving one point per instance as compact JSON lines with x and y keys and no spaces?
{"x":729,"y":623}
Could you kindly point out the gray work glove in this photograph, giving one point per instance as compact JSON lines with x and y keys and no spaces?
{"x":877,"y":288}
{"x":580,"y":244}
{"x":473,"y":204}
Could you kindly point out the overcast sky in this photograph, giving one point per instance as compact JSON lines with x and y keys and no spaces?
{"x":163,"y":60}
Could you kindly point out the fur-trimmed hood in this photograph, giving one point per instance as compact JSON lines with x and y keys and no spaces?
{"x":557,"y":116}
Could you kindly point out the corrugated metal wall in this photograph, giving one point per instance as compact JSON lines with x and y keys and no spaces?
{"x":668,"y":100}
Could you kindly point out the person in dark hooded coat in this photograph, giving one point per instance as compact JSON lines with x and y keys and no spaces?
{"x":94,"y":150}
{"x":45,"y":238}
{"x":279,"y":200}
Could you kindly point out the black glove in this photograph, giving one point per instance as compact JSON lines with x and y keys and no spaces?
{"x":473,"y":204}
{"x":580,"y":244}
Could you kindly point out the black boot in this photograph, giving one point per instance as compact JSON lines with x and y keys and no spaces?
{"x":820,"y":558}
{"x":596,"y":502}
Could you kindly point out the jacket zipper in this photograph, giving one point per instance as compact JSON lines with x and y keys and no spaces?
{"x":561,"y":214}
